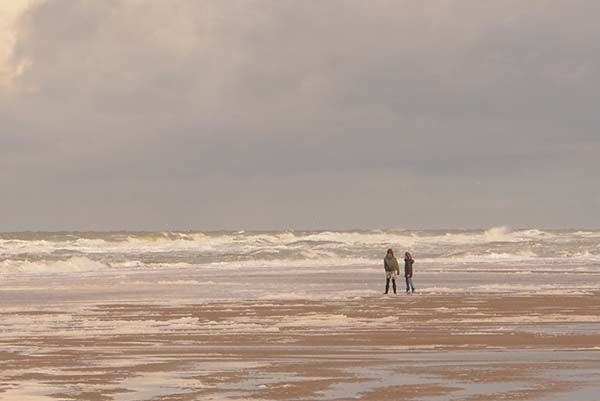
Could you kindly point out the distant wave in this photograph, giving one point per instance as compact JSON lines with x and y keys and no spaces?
{"x":73,"y":252}
{"x":74,"y":264}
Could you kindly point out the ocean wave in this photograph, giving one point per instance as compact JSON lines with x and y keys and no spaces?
{"x":60,"y":251}
{"x":71,"y":265}
{"x":490,"y":255}
{"x":207,"y":241}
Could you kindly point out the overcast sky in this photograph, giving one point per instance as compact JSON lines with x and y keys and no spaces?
{"x":275,"y":114}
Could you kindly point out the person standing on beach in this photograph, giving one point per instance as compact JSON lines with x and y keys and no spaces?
{"x":390,"y":264}
{"x":408,"y":272}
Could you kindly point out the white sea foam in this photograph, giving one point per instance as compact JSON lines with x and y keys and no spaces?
{"x":337,"y":321}
{"x":316,"y":296}
{"x":71,"y":265}
{"x":496,"y":246}
{"x":531,"y":319}
{"x":184,"y":282}
{"x":525,"y":289}
{"x":67,"y":326}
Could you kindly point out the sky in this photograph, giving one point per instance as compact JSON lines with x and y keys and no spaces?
{"x":316,"y":114}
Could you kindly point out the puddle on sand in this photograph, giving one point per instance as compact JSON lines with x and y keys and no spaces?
{"x":28,"y":391}
{"x":150,"y":386}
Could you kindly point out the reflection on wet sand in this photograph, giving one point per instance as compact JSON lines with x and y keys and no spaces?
{"x":448,"y":347}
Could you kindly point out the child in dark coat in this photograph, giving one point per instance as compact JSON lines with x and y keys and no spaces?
{"x":408,"y":272}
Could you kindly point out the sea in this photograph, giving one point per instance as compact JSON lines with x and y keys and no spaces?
{"x":183,"y":266}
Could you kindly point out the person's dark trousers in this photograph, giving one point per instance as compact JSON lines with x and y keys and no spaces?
{"x":387,"y":285}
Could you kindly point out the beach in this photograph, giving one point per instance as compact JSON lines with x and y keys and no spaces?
{"x":98,"y":319}
{"x":201,"y":200}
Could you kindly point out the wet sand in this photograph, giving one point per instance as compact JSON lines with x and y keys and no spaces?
{"x":474,"y":347}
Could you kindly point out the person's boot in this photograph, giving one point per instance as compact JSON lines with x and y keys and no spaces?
{"x":394,"y":285}
{"x":387,"y":285}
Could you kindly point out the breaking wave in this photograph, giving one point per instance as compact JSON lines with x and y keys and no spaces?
{"x":73,"y":264}
{"x":80,"y":252}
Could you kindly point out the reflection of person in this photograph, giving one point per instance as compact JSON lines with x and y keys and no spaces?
{"x":408,"y":271}
{"x":390,"y":264}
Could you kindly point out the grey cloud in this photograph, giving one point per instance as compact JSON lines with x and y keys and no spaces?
{"x":258,"y":114}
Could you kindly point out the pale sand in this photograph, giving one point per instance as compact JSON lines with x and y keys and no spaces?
{"x":472,"y":347}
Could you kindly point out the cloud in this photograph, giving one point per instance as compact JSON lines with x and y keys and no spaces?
{"x":10,"y":13}
{"x":132,"y":107}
